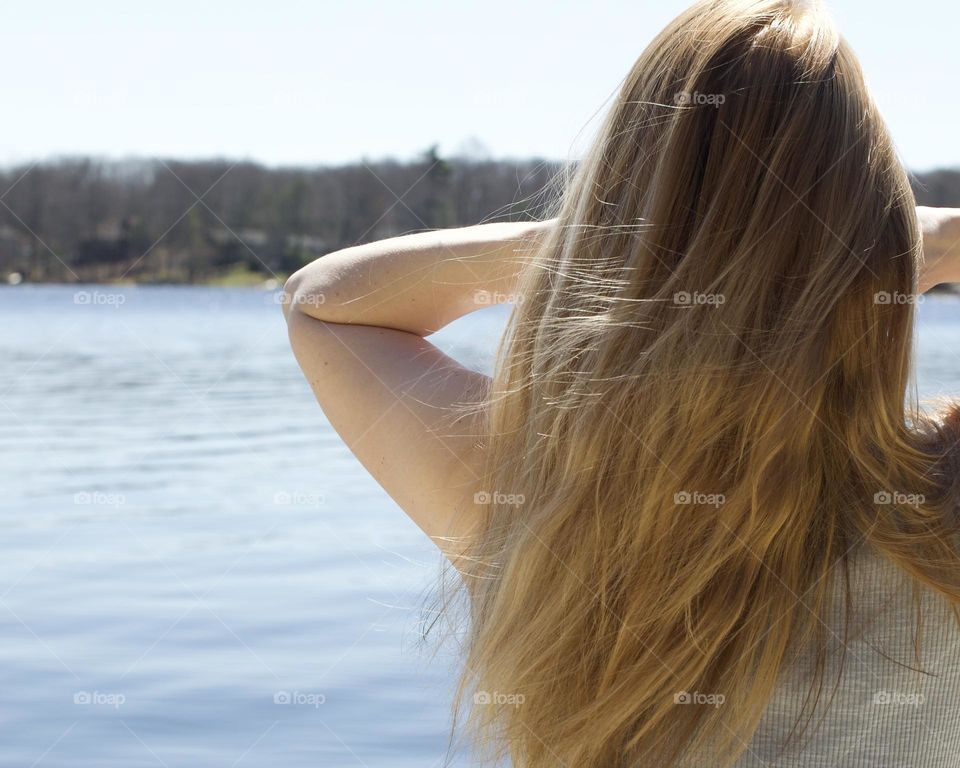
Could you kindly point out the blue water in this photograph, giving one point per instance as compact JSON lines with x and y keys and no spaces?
{"x":184,"y":538}
{"x":194,"y":569}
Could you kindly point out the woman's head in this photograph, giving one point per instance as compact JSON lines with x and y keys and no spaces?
{"x":701,"y":398}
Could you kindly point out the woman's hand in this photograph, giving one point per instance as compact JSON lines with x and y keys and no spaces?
{"x":418,"y":282}
{"x":941,"y":246}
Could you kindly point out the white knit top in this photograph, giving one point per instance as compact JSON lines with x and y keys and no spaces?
{"x":886,"y":712}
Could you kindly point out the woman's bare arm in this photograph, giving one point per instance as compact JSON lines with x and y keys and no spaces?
{"x":356,"y":322}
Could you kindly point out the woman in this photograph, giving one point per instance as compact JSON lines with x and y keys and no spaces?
{"x":698,"y":519}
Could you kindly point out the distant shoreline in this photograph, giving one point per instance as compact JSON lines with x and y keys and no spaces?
{"x":231,"y":279}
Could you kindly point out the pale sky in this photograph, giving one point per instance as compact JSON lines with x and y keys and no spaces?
{"x":322,"y":82}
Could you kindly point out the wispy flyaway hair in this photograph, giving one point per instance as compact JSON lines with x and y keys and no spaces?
{"x":704,"y":389}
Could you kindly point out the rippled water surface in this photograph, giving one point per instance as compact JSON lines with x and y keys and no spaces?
{"x":195,"y":571}
{"x":185,"y":539}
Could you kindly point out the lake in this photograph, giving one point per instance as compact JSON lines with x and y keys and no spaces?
{"x":195,"y":570}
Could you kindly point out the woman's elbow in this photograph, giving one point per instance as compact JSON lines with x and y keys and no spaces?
{"x":303,"y":292}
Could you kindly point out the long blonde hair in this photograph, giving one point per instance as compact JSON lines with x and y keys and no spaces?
{"x":702,"y":403}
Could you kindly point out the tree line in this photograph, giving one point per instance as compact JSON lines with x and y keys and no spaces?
{"x":88,"y":220}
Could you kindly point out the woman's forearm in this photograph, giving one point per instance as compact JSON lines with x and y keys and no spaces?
{"x":418,"y":282}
